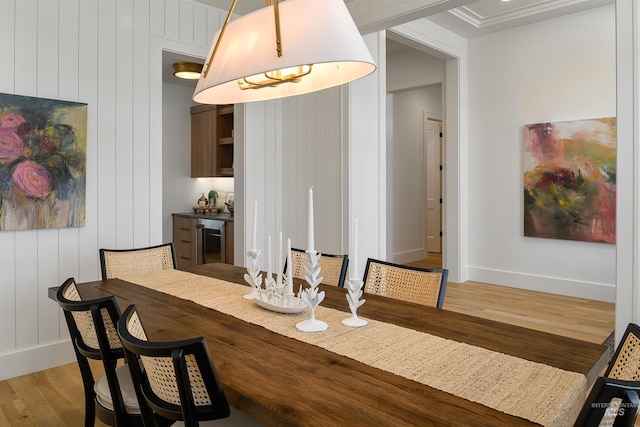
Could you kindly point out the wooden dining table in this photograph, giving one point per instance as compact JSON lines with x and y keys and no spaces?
{"x":281,"y":381}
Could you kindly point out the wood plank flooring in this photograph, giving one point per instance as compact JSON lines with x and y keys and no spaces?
{"x":55,"y":397}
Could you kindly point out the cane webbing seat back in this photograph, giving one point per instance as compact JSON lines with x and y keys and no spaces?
{"x":92,"y":328}
{"x":177,"y":379}
{"x":139,"y":260}
{"x":333,"y":268}
{"x":412,"y":284}
{"x":625,"y":363}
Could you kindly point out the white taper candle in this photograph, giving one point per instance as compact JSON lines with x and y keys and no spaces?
{"x":289,"y":269}
{"x":279,"y":263}
{"x":269,"y":259}
{"x":310,"y":242}
{"x":354,"y":251}
{"x":255,"y":226}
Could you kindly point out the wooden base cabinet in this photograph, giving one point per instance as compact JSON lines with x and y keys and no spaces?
{"x":184,"y":241}
{"x":228,"y":237}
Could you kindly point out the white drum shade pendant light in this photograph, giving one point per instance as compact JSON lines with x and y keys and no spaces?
{"x":286,"y":48}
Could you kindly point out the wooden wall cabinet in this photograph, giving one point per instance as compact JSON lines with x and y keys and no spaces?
{"x":184,"y":241}
{"x":211,"y":141}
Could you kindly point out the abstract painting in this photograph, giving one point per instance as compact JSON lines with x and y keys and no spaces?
{"x":570,"y":180}
{"x":43,"y":144}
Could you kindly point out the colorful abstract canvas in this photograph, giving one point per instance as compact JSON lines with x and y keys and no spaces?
{"x":570,"y":180}
{"x":43,"y":144}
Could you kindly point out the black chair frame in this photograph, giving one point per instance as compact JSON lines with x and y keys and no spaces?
{"x":188,"y":412}
{"x":108,"y":355}
{"x":598,"y":403}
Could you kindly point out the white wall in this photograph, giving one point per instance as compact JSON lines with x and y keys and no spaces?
{"x":560,"y":69}
{"x":408,"y":189}
{"x":107,"y":54}
{"x":409,"y":69}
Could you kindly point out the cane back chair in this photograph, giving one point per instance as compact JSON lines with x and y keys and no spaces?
{"x":413,"y":284}
{"x":138,"y":260}
{"x":92,"y":327}
{"x":333,"y":268}
{"x":177,"y":379}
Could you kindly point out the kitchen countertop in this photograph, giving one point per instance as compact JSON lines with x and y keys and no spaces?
{"x":221,"y":216}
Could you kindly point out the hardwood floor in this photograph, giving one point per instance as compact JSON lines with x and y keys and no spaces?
{"x":579,"y":318}
{"x":55,"y":397}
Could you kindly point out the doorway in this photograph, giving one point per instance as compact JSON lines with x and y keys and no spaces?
{"x":432,"y":178}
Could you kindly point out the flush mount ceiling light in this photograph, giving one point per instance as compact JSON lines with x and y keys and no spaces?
{"x":187,"y":70}
{"x":286,"y":48}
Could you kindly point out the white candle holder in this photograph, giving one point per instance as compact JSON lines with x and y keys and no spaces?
{"x":311,"y":296}
{"x":254,"y":277}
{"x":354,"y":292}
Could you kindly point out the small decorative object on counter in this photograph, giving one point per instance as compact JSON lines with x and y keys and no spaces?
{"x":230,"y":207}
{"x":202,"y":201}
{"x":213,"y":198}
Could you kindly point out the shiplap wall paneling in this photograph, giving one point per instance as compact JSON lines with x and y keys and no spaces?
{"x":26,"y":245}
{"x":47,"y":314}
{"x":261,"y":164}
{"x":146,"y":153}
{"x":68,"y":89}
{"x":87,"y":52}
{"x":106,"y":125}
{"x":7,"y":238}
{"x":367,"y":157}
{"x":312,"y":156}
{"x":171,"y":24}
{"x":256,"y":188}
{"x":126,"y":179}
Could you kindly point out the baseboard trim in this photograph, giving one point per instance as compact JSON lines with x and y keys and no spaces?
{"x":34,"y":359}
{"x":554,"y":285}
{"x":408,"y":256}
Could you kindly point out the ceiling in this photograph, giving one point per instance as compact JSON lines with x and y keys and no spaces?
{"x":473,"y":19}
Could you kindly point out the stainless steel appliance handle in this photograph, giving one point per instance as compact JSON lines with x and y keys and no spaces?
{"x":199,"y":244}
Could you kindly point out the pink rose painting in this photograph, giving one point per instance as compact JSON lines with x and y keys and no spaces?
{"x":42,"y":163}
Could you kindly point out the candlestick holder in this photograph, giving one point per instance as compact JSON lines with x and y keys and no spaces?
{"x":254,"y":277}
{"x":311,"y":296}
{"x":354,"y":292}
{"x":275,"y":297}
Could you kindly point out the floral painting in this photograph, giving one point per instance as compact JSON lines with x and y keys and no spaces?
{"x":570,"y":180}
{"x":43,"y":146}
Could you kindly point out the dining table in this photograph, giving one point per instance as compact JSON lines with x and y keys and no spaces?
{"x":284,"y":377}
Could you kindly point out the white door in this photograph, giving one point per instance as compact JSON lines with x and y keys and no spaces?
{"x":432,"y":184}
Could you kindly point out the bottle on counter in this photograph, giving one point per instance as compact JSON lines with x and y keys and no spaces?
{"x":202,"y":201}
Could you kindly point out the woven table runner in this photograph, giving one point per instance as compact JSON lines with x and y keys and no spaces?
{"x":540,"y":393}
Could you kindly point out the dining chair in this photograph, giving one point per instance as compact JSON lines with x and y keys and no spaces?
{"x":92,"y":327}
{"x":611,"y":402}
{"x":177,"y":379}
{"x":412,"y":284}
{"x":625,"y":362}
{"x":333,"y":268}
{"x":138,"y":260}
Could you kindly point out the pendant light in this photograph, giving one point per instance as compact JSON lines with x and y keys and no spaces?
{"x":286,"y":48}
